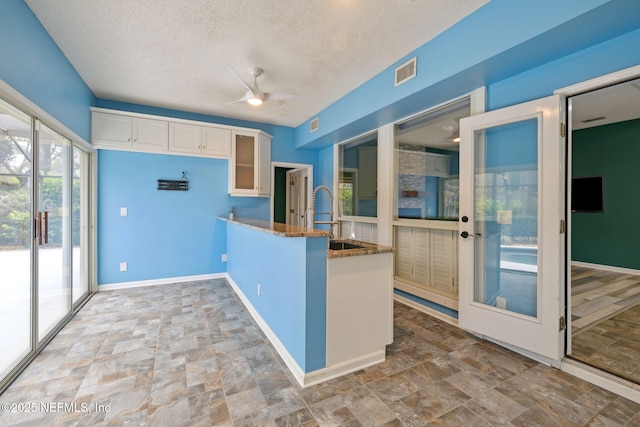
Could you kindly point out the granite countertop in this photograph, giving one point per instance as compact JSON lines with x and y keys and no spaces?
{"x":285,"y":230}
{"x":368,"y":249}
{"x":276,"y":228}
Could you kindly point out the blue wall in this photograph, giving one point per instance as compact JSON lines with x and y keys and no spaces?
{"x":166,"y":233}
{"x":292,"y":275}
{"x":201,"y":244}
{"x":33,"y":65}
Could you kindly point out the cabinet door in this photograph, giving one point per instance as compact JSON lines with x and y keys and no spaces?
{"x":421,"y":255}
{"x":244,"y":177}
{"x":216,"y":141}
{"x":443,"y":249}
{"x":110,"y":130}
{"x":404,"y":253}
{"x":185,"y":138}
{"x":151,"y":134}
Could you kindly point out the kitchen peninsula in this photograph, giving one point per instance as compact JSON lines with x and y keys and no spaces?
{"x":327,"y":312}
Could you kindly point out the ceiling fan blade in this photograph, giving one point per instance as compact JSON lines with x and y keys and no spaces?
{"x":240,"y":78}
{"x":246,"y":96}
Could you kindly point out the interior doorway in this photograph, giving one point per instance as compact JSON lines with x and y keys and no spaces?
{"x":604,"y":283}
{"x":292,"y":187}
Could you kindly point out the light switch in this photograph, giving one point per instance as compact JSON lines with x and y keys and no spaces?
{"x":123,"y":212}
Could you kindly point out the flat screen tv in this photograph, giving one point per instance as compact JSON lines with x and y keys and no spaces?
{"x":586,"y":194}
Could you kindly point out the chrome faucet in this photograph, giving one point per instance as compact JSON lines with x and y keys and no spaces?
{"x":330,"y":221}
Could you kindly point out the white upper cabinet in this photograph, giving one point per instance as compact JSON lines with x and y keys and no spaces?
{"x":120,"y":131}
{"x":150,"y":134}
{"x":216,"y":141}
{"x":116,"y":130}
{"x":193,"y":139}
{"x":184,"y":138}
{"x":111,"y":130}
{"x":249,"y":172}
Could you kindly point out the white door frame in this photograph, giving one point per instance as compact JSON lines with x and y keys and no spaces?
{"x":288,"y":165}
{"x":301,"y":174}
{"x":566,"y":92}
{"x":600,"y":378}
{"x":539,"y":337}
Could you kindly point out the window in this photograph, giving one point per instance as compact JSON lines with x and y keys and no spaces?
{"x":358,"y":177}
{"x":428,"y":157}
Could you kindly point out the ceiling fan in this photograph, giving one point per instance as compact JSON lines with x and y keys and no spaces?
{"x":254,"y":96}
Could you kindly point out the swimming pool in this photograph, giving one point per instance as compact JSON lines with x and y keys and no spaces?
{"x":519,"y":258}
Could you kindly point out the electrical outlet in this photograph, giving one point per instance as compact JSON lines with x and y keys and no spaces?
{"x":123,"y":266}
{"x":259,"y":289}
{"x":124,"y":211}
{"x":501,"y":303}
{"x":223,"y":257}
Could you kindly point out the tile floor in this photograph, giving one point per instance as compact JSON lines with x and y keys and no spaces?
{"x":189,"y":354}
{"x":605,"y":308}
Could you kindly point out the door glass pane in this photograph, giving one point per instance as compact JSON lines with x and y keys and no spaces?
{"x":15,"y":236}
{"x":506,"y":217}
{"x":79,"y":224}
{"x":245,"y":162}
{"x":53,"y":240}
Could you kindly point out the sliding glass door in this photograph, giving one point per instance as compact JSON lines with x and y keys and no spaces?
{"x":16,"y":184}
{"x":53,"y":239}
{"x":44,"y":235}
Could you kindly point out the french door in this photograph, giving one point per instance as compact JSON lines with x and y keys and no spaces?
{"x":297,"y":197}
{"x":43,"y":234}
{"x":511,"y":245}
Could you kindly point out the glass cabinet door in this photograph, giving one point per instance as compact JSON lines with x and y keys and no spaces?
{"x":245,"y":162}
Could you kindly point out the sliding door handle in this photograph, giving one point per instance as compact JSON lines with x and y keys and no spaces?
{"x":46,"y":227}
{"x":39,"y":233}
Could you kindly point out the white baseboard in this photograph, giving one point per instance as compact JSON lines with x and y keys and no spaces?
{"x":335,"y":371}
{"x":602,"y":379}
{"x":307,"y":379}
{"x":611,"y":268}
{"x":293,"y":366}
{"x":165,"y":281}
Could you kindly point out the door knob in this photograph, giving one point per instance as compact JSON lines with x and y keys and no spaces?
{"x":464,"y":234}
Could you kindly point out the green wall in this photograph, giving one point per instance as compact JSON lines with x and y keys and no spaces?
{"x":611,"y":237}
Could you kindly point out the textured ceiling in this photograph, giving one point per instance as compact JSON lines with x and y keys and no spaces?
{"x":176,"y":53}
{"x":608,"y":105}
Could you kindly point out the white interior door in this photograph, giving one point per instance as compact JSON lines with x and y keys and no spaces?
{"x":297,"y":195}
{"x":512,"y":210}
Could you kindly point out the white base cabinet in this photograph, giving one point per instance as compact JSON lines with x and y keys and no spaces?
{"x":359,"y":306}
{"x":428,"y":258}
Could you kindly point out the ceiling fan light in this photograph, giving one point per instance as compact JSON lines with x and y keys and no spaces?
{"x":254,"y":101}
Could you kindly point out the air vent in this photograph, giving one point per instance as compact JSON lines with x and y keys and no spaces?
{"x":314,"y":125}
{"x":406,"y":71}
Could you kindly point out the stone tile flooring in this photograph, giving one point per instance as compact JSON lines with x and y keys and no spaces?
{"x":189,"y":354}
{"x":605,"y":308}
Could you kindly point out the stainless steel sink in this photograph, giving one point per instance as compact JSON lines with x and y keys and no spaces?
{"x":339,"y":245}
